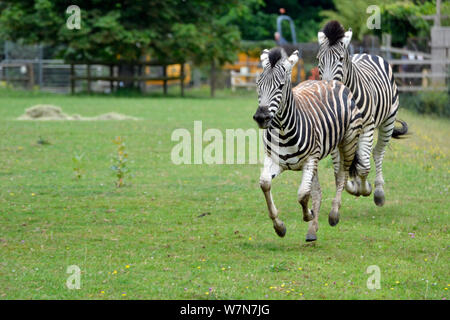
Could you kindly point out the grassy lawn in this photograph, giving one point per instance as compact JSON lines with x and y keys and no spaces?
{"x":202,"y":231}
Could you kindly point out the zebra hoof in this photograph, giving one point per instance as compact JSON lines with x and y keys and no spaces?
{"x":352,"y":188}
{"x":280,"y":230}
{"x":311,"y":237}
{"x":308,"y":216}
{"x":368,"y":190}
{"x":333,"y":218}
{"x":378,"y":197}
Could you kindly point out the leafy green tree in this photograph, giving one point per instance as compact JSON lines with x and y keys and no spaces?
{"x":351,"y":14}
{"x":404,"y":19}
{"x":260,"y":21}
{"x":170,"y":30}
{"x":401,"y":19}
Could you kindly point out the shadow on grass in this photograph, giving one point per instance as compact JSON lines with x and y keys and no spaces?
{"x":282,"y":246}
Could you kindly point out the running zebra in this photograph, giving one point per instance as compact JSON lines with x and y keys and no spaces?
{"x":303,"y":125}
{"x":371,"y":80}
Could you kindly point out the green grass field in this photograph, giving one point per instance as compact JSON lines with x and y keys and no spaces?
{"x":153,"y":238}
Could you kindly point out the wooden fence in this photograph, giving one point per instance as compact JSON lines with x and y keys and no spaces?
{"x":431,"y":78}
{"x":114,"y":80}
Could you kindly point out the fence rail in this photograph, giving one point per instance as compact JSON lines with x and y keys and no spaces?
{"x":405,"y":52}
{"x":243,"y":80}
{"x":430,"y":71}
{"x":114,"y":80}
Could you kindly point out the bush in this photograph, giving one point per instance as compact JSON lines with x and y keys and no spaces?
{"x":430,"y":102}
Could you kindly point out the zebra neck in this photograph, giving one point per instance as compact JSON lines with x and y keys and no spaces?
{"x":351,"y":76}
{"x":290,"y":116}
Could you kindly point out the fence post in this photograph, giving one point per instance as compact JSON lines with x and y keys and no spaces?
{"x":72,"y":79}
{"x":440,"y":42}
{"x":111,"y":74}
{"x":164,"y":81}
{"x":41,"y":68}
{"x":89,"y":78}
{"x":30,"y":75}
{"x":182,"y":79}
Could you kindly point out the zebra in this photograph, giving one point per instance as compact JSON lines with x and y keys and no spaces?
{"x":371,"y":80}
{"x":302,"y":126}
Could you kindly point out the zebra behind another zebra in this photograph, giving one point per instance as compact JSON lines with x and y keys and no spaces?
{"x":370,"y":78}
{"x":303,"y":125}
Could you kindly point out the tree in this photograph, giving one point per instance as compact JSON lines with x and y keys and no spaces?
{"x":259,"y":22}
{"x":351,"y":14}
{"x":170,"y":30}
{"x":404,"y":20}
{"x":401,"y":19}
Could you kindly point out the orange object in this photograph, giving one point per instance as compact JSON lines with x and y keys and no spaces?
{"x":172,"y":70}
{"x":314,"y":74}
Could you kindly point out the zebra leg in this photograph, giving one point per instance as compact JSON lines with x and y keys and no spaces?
{"x":347,"y":153}
{"x":352,"y":186}
{"x":360,"y":185}
{"x":270,"y":171}
{"x":363,"y":153}
{"x":336,"y":160}
{"x":304,"y":191}
{"x":340,"y":178}
{"x":316,"y":195}
{"x":384,"y":135}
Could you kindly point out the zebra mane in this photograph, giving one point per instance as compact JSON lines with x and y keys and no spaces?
{"x":334,"y":32}
{"x":276,"y":54}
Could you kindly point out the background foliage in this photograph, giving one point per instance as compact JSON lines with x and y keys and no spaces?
{"x":196,"y":30}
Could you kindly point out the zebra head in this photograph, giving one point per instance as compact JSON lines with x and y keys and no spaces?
{"x":273,"y":83}
{"x":333,"y":51}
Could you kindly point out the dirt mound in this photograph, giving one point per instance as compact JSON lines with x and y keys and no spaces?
{"x":47,"y":112}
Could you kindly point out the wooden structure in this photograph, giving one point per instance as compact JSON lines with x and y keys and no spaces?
{"x":440,"y":51}
{"x":243,"y":79}
{"x":243,"y":73}
{"x":114,"y":80}
{"x":434,"y":67}
{"x":432,"y":71}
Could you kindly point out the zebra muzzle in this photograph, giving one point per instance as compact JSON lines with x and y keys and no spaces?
{"x":262,"y":117}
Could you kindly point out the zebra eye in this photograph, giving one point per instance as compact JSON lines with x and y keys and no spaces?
{"x":280,"y":86}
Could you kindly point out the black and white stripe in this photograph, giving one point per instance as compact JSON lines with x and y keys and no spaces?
{"x":304,"y":125}
{"x":370,"y":78}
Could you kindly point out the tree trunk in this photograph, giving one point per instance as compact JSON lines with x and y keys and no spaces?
{"x":213,"y":79}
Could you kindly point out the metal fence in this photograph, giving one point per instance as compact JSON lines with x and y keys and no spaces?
{"x":48,"y":75}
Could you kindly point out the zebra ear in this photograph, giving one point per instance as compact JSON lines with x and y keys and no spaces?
{"x":292,"y":60}
{"x":347,"y":37}
{"x":321,"y":37}
{"x":265,"y":58}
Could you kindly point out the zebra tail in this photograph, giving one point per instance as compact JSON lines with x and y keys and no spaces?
{"x":400,"y":133}
{"x":353,"y":172}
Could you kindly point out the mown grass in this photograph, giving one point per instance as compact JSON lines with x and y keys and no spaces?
{"x":202,"y":231}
